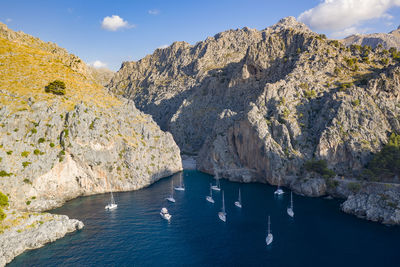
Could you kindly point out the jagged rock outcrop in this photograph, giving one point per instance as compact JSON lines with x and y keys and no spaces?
{"x":32,"y":230}
{"x":386,"y":40}
{"x":381,"y":207}
{"x":256,"y":105}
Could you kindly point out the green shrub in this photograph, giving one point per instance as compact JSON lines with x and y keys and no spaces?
{"x":350,"y":61}
{"x":320,"y":167}
{"x":25,"y":154}
{"x":52,"y":144}
{"x":1,"y":159}
{"x":337,"y":71}
{"x":386,"y":163}
{"x":9,"y":152}
{"x":385,"y":61}
{"x":38,"y":152}
{"x":310,"y":93}
{"x":41,"y":140}
{"x":4,"y":173}
{"x":354,"y":187}
{"x":356,"y":102}
{"x":33,"y":131}
{"x":27,"y":181}
{"x":2,"y":215}
{"x":26,"y":163}
{"x":91,"y":126}
{"x":304,"y":86}
{"x":3,"y":200}
{"x":56,"y":87}
{"x":28,"y":202}
{"x":344,"y":86}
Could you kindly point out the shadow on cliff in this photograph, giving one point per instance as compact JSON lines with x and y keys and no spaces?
{"x":224,"y":89}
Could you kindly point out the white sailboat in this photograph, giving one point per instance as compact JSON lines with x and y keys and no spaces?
{"x":171,"y":197}
{"x":165,"y":215}
{"x":112,"y":204}
{"x":210,"y":198}
{"x":269,"y":237}
{"x":289,"y":210}
{"x":239,"y":202}
{"x":222,"y":213}
{"x":279,"y":191}
{"x":181,"y":187}
{"x":217,"y":186}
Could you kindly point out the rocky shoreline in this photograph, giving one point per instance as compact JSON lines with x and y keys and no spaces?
{"x":24,"y":231}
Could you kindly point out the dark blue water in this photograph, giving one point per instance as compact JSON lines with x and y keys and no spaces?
{"x":135,"y":235}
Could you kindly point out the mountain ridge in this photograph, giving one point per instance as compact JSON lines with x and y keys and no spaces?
{"x":267,"y":102}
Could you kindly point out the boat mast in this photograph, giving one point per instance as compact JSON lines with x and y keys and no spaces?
{"x":269,"y":225}
{"x":112,"y":198}
{"x":291,"y":200}
{"x":223,"y":202}
{"x":240,"y":198}
{"x":210,"y":190}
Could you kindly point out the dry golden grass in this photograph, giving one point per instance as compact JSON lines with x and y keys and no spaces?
{"x":25,"y":71}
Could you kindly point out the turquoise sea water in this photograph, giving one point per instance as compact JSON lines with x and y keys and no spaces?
{"x":135,"y":235}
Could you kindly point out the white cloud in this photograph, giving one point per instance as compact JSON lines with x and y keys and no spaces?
{"x":163,"y":46}
{"x":115,"y":23}
{"x":98,"y":64}
{"x":154,"y":11}
{"x":338,"y":15}
{"x":8,"y":20}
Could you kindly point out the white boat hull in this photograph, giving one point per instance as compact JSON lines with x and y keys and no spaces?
{"x":210,"y":199}
{"x":222,"y":216}
{"x":166,"y":216}
{"x":290,"y":212}
{"x":171,"y":199}
{"x":238,"y":204}
{"x":279,"y":192}
{"x":179,"y":188}
{"x":269,"y":239}
{"x":216,"y":188}
{"x":111,"y":206}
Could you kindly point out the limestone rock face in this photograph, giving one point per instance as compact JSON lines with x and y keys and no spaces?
{"x":50,"y":156}
{"x":256,"y":105}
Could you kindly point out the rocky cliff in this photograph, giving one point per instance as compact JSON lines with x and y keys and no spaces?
{"x":268,"y":102}
{"x":57,"y":147}
{"x":386,"y":40}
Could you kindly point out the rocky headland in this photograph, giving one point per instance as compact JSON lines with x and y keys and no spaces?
{"x":282,"y":105}
{"x":26,"y":230}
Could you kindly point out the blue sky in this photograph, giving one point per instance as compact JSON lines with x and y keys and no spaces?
{"x":146,"y":25}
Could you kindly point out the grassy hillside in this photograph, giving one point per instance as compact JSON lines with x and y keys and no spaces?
{"x":27,"y":65}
